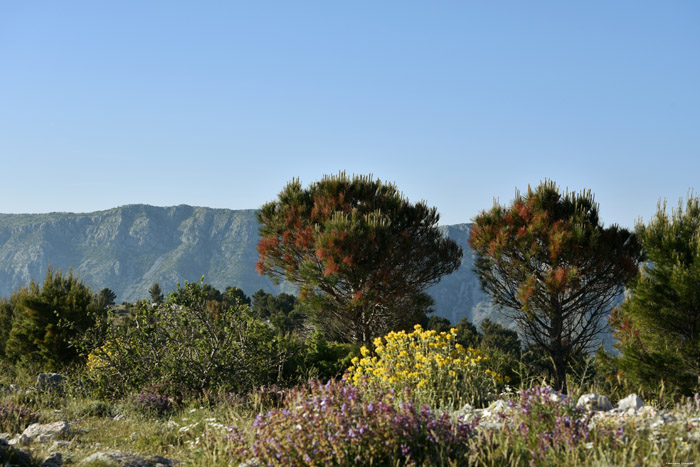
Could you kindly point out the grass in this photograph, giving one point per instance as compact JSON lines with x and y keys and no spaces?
{"x":196,"y":432}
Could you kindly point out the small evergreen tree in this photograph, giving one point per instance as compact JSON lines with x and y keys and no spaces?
{"x":498,"y":337}
{"x":47,"y":317}
{"x":106,"y":297}
{"x":438,"y":324}
{"x":156,"y":293}
{"x":467,"y":334}
{"x":658,"y":325}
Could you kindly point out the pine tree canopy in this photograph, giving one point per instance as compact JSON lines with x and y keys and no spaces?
{"x":553,"y":268}
{"x":358,"y":251}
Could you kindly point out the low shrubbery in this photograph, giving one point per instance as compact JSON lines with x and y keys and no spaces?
{"x":544,"y":420}
{"x":338,"y":424}
{"x":184,"y":347}
{"x":15,"y":417}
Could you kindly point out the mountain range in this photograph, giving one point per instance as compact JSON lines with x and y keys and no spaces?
{"x":129,"y":248}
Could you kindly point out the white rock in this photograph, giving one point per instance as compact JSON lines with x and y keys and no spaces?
{"x":632,"y":401}
{"x":120,"y":458}
{"x":594,"y":402}
{"x":44,"y":433}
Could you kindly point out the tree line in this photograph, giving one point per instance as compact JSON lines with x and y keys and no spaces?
{"x":363,"y":256}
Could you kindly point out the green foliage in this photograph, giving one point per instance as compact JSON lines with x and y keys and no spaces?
{"x":316,"y":358}
{"x":548,"y":261}
{"x":438,"y":324}
{"x":46,"y":318}
{"x":182,"y":346}
{"x":106,"y":297}
{"x":284,"y":311}
{"x":233,"y":294}
{"x":6,"y":312}
{"x":360,"y":253}
{"x":467,"y":334}
{"x":156,"y":293}
{"x":497,"y":337}
{"x":658,"y":325}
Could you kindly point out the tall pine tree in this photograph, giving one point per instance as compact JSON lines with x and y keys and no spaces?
{"x":549,"y":263}
{"x":360,"y":253}
{"x":658,"y":325}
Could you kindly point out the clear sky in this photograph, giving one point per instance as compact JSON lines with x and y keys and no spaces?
{"x":221,"y":103}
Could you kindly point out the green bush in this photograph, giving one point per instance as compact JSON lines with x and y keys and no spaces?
{"x":183,"y":346}
{"x":45,"y":319}
{"x":315,"y":358}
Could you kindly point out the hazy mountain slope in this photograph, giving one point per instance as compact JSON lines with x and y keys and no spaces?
{"x":129,"y":248}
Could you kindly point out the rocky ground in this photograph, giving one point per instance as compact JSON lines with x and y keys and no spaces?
{"x":70,"y":442}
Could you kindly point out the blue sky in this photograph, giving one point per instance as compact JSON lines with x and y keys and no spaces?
{"x":221,"y":103}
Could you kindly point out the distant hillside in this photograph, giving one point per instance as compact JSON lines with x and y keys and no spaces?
{"x":129,"y":248}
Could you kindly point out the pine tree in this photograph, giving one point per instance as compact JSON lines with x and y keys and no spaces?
{"x":658,"y":325}
{"x":549,"y":263}
{"x":359,"y":252}
{"x":46,"y":318}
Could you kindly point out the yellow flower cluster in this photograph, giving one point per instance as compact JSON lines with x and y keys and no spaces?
{"x":98,"y":359}
{"x":425,"y":361}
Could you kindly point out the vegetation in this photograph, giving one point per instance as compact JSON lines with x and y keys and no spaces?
{"x":658,"y":325}
{"x":219,"y":378}
{"x":438,"y":371}
{"x":361,"y":254}
{"x":156,"y":293}
{"x":547,"y":260}
{"x":184,"y":345}
{"x":45,"y":318}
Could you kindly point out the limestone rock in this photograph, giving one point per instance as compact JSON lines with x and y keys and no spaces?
{"x":632,"y":401}
{"x":125,"y":459}
{"x":44,"y":433}
{"x":594,"y":402}
{"x":50,"y":382}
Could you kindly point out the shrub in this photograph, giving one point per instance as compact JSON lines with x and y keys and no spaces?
{"x":337,"y":424}
{"x":185,"y":346}
{"x":46,"y":317}
{"x":315,"y":358}
{"x":14,"y":418}
{"x":544,"y":420}
{"x":153,"y":404}
{"x":437,"y":370}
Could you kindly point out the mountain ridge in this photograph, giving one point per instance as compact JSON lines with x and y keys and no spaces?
{"x":130,"y":247}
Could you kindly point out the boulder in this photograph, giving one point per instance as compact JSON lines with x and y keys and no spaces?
{"x":125,"y":459}
{"x":632,"y":401}
{"x":53,"y":460}
{"x":594,"y":402}
{"x":44,"y":433}
{"x":49,"y":382}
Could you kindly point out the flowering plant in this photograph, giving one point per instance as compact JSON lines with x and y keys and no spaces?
{"x":337,"y":424}
{"x":438,"y":370}
{"x":545,"y":420}
{"x":14,"y":418}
